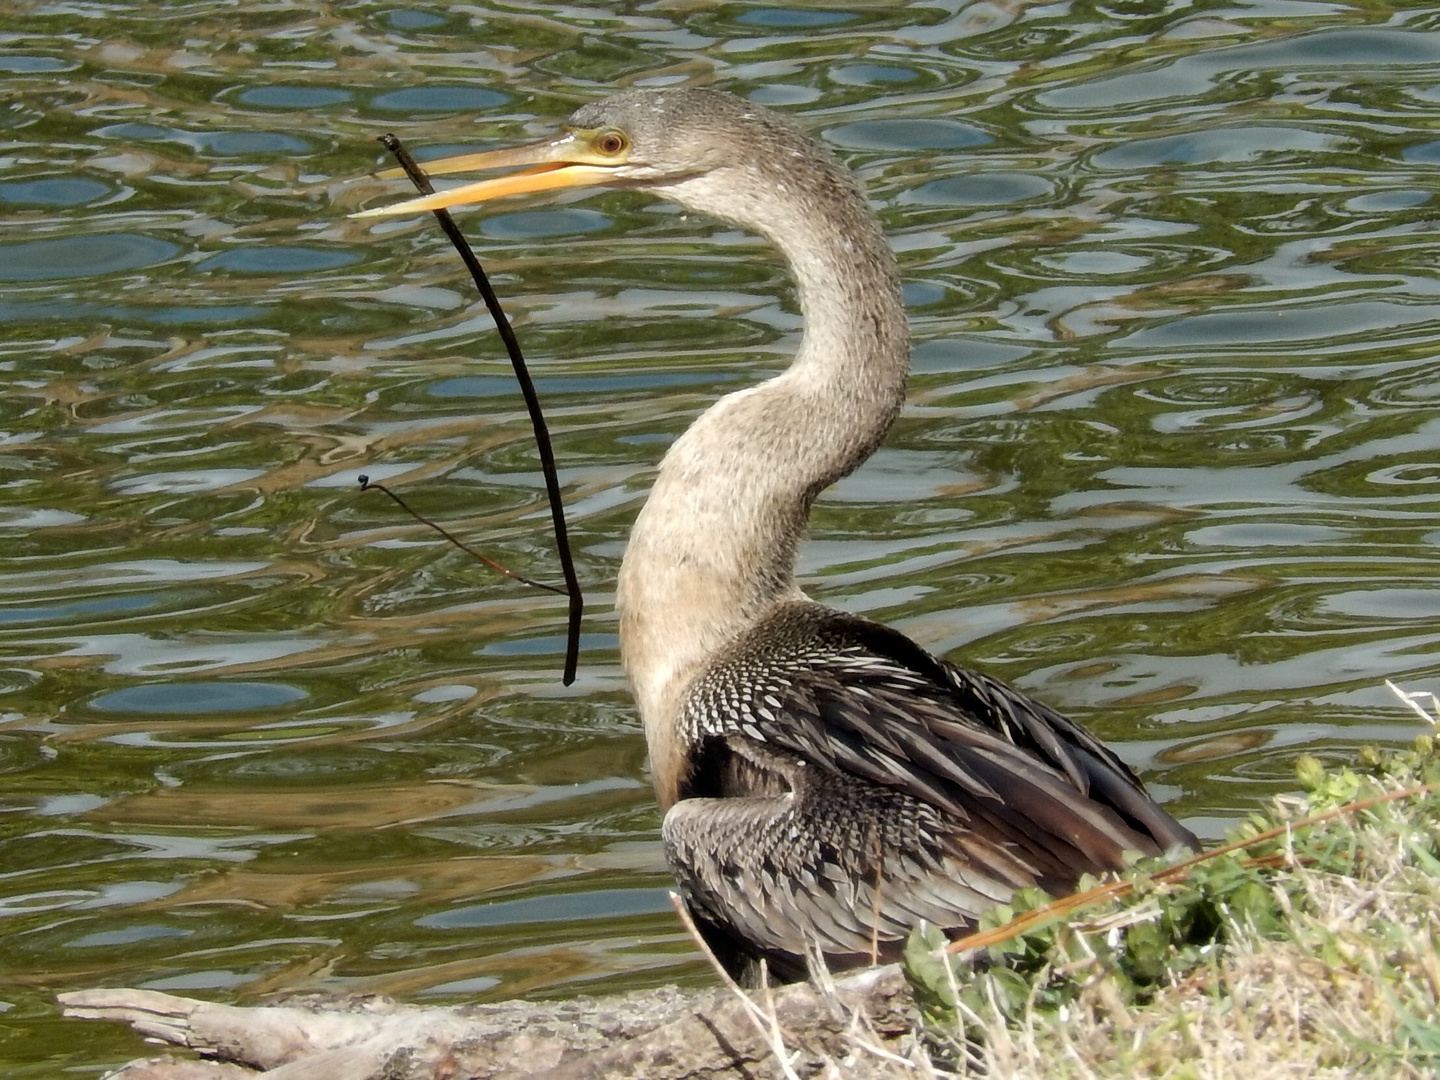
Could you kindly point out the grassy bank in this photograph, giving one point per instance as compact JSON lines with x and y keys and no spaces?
{"x":1310,"y":950}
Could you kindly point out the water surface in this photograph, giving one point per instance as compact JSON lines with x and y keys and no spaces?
{"x":1171,"y":459}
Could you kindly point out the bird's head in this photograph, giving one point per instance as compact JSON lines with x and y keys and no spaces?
{"x":669,"y":140}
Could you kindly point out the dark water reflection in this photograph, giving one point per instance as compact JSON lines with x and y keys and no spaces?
{"x":1171,"y":460}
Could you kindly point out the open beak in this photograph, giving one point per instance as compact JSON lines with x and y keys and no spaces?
{"x":569,"y":161}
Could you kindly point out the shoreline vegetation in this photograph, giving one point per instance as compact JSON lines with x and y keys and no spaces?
{"x":1307,"y":947}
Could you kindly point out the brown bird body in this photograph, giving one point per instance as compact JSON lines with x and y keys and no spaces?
{"x":827,"y":784}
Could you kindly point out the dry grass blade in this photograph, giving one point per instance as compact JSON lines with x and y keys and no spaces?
{"x":1413,"y":698}
{"x":766,"y":1024}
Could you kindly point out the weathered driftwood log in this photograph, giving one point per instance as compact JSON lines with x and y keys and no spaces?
{"x":857,"y":1028}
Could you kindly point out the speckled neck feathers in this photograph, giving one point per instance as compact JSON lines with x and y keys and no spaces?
{"x":714,"y":548}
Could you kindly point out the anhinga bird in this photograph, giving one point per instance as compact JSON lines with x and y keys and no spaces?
{"x":826,"y":783}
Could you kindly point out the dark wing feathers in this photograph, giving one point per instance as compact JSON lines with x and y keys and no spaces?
{"x":969,"y":789}
{"x":857,"y":697}
{"x":836,"y":863}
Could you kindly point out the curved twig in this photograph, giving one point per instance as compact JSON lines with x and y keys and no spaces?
{"x":527,"y":389}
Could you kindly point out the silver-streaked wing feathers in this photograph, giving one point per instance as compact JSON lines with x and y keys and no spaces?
{"x":819,"y":723}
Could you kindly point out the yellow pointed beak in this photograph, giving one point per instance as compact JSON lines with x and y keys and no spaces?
{"x":576,"y":159}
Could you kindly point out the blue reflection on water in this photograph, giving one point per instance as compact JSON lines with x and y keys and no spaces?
{"x":66,"y":310}
{"x":528,"y":224}
{"x":1321,"y":322}
{"x":293,"y":97}
{"x":548,"y":645}
{"x":56,"y":612}
{"x":127,"y":936}
{"x":1426,"y":153}
{"x":81,"y":256}
{"x":495,"y":385}
{"x":982,"y":189}
{"x":907,"y":135}
{"x":1228,"y":144}
{"x":410,"y":19}
{"x":870,"y":74}
{"x":797,"y":17}
{"x":1195,"y":76}
{"x":558,"y":907}
{"x":198,"y":697}
{"x":219,"y":143}
{"x":53,"y":191}
{"x":278,"y":260}
{"x":33,"y":63}
{"x":439,"y":99}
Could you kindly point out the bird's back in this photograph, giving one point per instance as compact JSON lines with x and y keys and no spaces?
{"x":844,"y":785}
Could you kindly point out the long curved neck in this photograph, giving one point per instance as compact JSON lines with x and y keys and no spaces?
{"x":714,"y":547}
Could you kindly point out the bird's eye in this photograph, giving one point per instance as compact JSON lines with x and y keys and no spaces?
{"x":611,"y":143}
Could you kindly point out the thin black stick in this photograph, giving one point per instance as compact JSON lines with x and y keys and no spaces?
{"x":527,"y":388}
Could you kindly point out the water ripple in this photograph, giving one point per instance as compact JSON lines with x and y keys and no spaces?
{"x":1169,"y":458}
